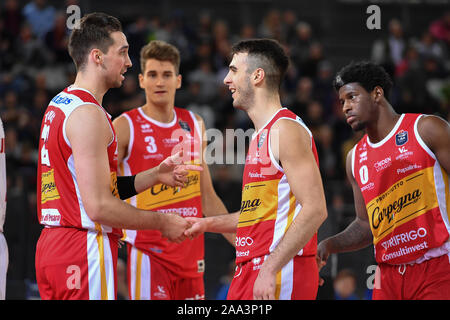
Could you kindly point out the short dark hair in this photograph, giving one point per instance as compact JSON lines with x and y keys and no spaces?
{"x":94,"y":32}
{"x":161,"y":51}
{"x":266,"y":54}
{"x":365,"y":73}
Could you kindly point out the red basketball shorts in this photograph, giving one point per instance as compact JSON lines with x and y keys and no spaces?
{"x":297,"y":280}
{"x":429,"y":280}
{"x":149,"y":280}
{"x":74,"y":264}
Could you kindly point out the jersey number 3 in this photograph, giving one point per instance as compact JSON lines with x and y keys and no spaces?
{"x":151,"y":145}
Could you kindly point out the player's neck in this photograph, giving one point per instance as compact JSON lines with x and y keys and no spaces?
{"x":94,"y":86}
{"x":387,"y":119}
{"x":263,"y":109}
{"x":159,"y":113}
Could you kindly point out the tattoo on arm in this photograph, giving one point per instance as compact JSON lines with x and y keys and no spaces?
{"x":356,"y":236}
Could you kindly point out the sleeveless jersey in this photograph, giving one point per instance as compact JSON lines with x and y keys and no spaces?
{"x":268,"y":205}
{"x":2,"y":177}
{"x":406,"y":193}
{"x":150,"y":143}
{"x":58,"y":197}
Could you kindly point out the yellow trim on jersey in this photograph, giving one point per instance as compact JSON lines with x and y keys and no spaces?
{"x":137,"y":293}
{"x":278,"y":285}
{"x":101,"y":252}
{"x":402,"y":202}
{"x":447,"y":191}
{"x":291,"y":211}
{"x":257,"y":206}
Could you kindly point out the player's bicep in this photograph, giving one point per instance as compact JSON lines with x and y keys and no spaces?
{"x":435,"y":132}
{"x":89,"y":143}
{"x":299,"y":163}
{"x":360,"y":206}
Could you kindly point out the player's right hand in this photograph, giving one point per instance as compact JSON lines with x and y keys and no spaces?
{"x":174,"y":227}
{"x":322,"y":257}
{"x":198,"y":227}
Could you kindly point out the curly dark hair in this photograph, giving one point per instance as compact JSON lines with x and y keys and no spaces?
{"x":367,"y":74}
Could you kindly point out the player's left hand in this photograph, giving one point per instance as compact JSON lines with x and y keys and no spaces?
{"x":264,"y":286}
{"x":173,"y":172}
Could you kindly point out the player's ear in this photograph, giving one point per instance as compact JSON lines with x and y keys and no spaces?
{"x":258,"y":76}
{"x":96,"y":55}
{"x":377,"y":93}
{"x":141,"y":80}
{"x":179,"y":81}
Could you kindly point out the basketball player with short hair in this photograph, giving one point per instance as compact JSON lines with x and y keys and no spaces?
{"x":157,"y":269}
{"x":78,"y":189}
{"x":399,"y":176}
{"x":283,"y":202}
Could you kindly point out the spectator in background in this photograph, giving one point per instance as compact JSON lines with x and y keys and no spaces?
{"x":32,"y":54}
{"x":440,"y":29}
{"x":57,"y":38}
{"x":345,"y":285}
{"x":310,"y":66}
{"x":10,"y":111}
{"x":204,"y":27}
{"x":247,"y":31}
{"x":138,"y":34}
{"x":389,"y":52}
{"x":301,"y":42}
{"x":323,"y":87}
{"x":289,"y":26}
{"x":206,"y":78}
{"x":40,"y":16}
{"x":12,"y":17}
{"x":221,"y":47}
{"x":429,"y":46}
{"x":328,"y":153}
{"x":303,"y":95}
{"x":225,"y":282}
{"x":271,"y":26}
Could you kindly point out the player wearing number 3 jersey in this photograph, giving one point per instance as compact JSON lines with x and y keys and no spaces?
{"x":399,"y":174}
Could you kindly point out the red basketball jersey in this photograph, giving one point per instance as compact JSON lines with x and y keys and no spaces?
{"x":150,"y":143}
{"x":59,"y":201}
{"x":406,"y":193}
{"x":268,"y":204}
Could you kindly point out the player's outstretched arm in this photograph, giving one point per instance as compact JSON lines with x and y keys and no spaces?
{"x":224,"y":223}
{"x":357,"y":235}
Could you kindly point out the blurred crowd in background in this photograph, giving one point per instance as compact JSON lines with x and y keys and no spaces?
{"x":35,"y":65}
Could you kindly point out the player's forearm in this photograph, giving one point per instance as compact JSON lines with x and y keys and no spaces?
{"x":213,"y":206}
{"x":116,"y":213}
{"x":356,"y":236}
{"x":224,"y":223}
{"x":146,"y":179}
{"x":302,"y":229}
